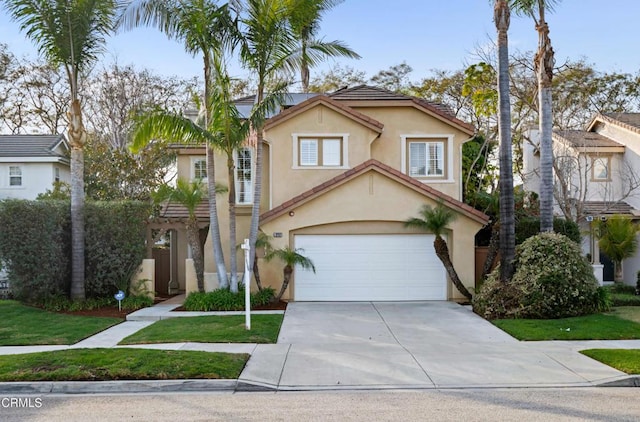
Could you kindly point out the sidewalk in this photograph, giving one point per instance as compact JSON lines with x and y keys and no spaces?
{"x":381,"y":354}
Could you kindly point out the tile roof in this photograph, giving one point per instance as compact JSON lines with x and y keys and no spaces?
{"x":598,"y":208}
{"x":384,"y":169}
{"x":341,"y":108}
{"x":174,"y":211}
{"x":372,"y":93}
{"x":630,"y":121}
{"x":29,"y":145}
{"x":581,"y":138}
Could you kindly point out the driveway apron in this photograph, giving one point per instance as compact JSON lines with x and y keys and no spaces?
{"x":370,"y":345}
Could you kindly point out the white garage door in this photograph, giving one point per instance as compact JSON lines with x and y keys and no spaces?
{"x":370,"y":267}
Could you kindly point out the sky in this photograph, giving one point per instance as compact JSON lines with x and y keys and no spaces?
{"x":426,"y":34}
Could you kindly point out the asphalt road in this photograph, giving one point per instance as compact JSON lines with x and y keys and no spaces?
{"x":566,"y":404}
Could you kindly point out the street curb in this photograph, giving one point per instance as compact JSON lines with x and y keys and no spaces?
{"x":631,"y":381}
{"x":123,"y":387}
{"x":249,"y":386}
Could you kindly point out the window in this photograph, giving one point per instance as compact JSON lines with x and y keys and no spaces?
{"x":15,"y":176}
{"x":198,"y":168}
{"x":600,"y":168}
{"x":56,"y":174}
{"x":244,"y":179}
{"x":426,"y":159}
{"x":320,"y":152}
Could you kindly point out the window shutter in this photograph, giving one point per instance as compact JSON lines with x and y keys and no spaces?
{"x":331,"y":152}
{"x":308,"y":152}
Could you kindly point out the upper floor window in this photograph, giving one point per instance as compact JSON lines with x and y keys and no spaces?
{"x":199,"y":168}
{"x":600,"y":168}
{"x":15,"y":176}
{"x":244,"y":176}
{"x":320,"y":151}
{"x":56,"y":174}
{"x":426,"y":158}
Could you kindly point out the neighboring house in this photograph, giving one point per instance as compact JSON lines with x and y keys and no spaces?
{"x":342,"y":172}
{"x":597,"y":174}
{"x":30,"y":164}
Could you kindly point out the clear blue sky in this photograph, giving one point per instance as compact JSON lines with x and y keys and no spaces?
{"x":427,"y":34}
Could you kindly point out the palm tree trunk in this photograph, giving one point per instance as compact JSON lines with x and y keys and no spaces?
{"x":442,"y":251}
{"x":257,"y":187}
{"x":193,"y":237}
{"x":544,"y":62}
{"x":233,"y":264}
{"x":77,"y":139}
{"x":618,"y":276}
{"x":288,"y":270}
{"x":256,"y":274}
{"x":507,"y":207}
{"x":214,"y":225}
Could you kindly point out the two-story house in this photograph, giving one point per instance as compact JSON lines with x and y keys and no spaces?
{"x":341,"y":173}
{"x":597,"y":174}
{"x":30,"y":164}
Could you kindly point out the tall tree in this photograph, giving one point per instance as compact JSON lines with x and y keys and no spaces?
{"x":267,"y":46}
{"x":544,"y":62}
{"x":204,"y":28}
{"x":70,"y":34}
{"x":304,"y":18}
{"x":501,"y":19}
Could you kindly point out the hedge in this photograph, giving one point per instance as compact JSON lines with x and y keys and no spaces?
{"x":530,"y":226}
{"x":35,"y":246}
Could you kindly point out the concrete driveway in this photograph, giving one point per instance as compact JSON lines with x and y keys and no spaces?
{"x":409,"y":345}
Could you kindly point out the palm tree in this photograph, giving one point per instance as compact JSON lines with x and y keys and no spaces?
{"x":501,"y":18}
{"x":189,"y":195}
{"x":304,"y":18}
{"x":291,"y":258}
{"x":71,"y":34}
{"x":544,"y":62}
{"x":436,"y":220}
{"x":266,"y":47}
{"x":204,"y":28}
{"x":618,"y":241}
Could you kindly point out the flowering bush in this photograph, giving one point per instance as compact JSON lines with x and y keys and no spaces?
{"x":552,"y":280}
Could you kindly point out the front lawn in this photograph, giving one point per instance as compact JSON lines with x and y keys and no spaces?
{"x":623,"y":360}
{"x":120,"y":364}
{"x":210,"y":329}
{"x":590,"y":327}
{"x":25,"y":326}
{"x":632,"y":313}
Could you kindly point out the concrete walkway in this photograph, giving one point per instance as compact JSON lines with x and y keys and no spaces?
{"x":380,"y":345}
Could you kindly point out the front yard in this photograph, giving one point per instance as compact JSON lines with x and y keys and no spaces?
{"x":24,"y":326}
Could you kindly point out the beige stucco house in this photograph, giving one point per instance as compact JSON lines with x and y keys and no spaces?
{"x":341,"y":174}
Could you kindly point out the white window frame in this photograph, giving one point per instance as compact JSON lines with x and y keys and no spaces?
{"x":607,"y":165}
{"x":20,"y":175}
{"x":447,"y":139}
{"x":194,"y":160}
{"x":56,"y":174}
{"x":237,"y":182}
{"x":296,"y":137}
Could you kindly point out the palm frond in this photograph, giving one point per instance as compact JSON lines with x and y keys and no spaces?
{"x":291,"y":257}
{"x":432,"y":219}
{"x":161,"y":126}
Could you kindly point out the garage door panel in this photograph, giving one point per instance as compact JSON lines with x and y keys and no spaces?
{"x":370,"y":267}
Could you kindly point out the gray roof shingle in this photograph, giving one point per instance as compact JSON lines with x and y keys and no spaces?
{"x":29,"y":145}
{"x":581,"y":138}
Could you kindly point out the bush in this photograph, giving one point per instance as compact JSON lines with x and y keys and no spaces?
{"x":134,"y":302}
{"x":34,"y":246}
{"x":224,"y":300}
{"x":527,"y":227}
{"x":552,"y":280}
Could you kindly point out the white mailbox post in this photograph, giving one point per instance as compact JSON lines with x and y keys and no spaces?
{"x":247,"y":283}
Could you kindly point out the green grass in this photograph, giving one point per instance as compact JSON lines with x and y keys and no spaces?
{"x":120,"y":364}
{"x":623,"y":360}
{"x":210,"y":329}
{"x":24,"y":326}
{"x":632,"y":313}
{"x":590,"y":327}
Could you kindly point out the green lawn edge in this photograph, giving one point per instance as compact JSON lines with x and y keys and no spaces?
{"x":590,"y":327}
{"x":24,"y":325}
{"x":210,"y":329}
{"x":625,"y":360}
{"x":121,"y":364}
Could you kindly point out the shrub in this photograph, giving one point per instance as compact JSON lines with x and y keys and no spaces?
{"x":552,"y":280}
{"x":527,"y":227}
{"x":224,"y":300}
{"x":133,"y":302}
{"x":34,"y":246}
{"x":115,"y":245}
